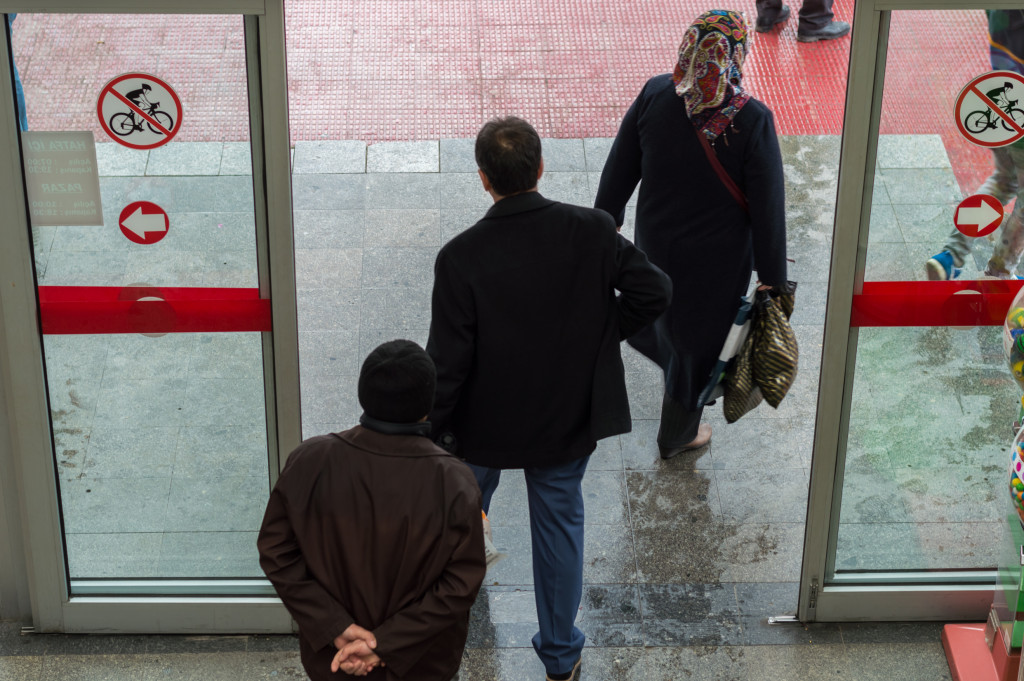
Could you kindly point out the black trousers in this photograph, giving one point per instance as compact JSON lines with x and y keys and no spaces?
{"x":814,"y":14}
{"x":678,"y":426}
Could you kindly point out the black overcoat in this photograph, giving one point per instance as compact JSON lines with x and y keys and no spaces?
{"x":691,"y":226}
{"x":525,"y":331}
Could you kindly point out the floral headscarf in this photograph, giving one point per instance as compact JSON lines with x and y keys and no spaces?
{"x":710,"y":69}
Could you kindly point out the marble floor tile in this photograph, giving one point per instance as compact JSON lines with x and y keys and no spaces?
{"x":332,"y":352}
{"x":786,"y":662}
{"x":224,"y":402}
{"x":329,"y":156}
{"x":328,"y":310}
{"x":690,"y":614}
{"x":75,"y":356}
{"x":328,"y":229}
{"x":759,"y":601}
{"x":757,"y":442}
{"x":329,"y":192}
{"x":409,"y":228}
{"x":220,"y":451}
{"x":458,"y":155}
{"x":234,"y":504}
{"x":640,"y":450}
{"x":236,"y":159}
{"x":404,"y":190}
{"x":185,"y":158}
{"x":563,"y":154}
{"x":126,"y":555}
{"x":127,"y":451}
{"x":761,"y":552}
{"x":874,"y":662}
{"x":920,"y":546}
{"x":774,"y":496}
{"x":403,"y":157}
{"x":329,"y":268}
{"x":396,"y":309}
{"x":209,"y":554}
{"x":398,"y":267}
{"x":102,"y":668}
{"x":668,"y":663}
{"x":115,"y":505}
{"x":227,"y":356}
{"x":209,"y":232}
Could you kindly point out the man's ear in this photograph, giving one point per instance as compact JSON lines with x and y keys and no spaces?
{"x":483,"y":178}
{"x":540,"y":170}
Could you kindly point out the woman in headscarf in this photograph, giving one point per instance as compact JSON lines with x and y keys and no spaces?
{"x":690,"y":223}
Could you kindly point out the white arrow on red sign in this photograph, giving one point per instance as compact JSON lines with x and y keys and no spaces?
{"x":978,"y":215}
{"x":144,"y":222}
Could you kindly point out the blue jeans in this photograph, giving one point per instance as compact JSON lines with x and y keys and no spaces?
{"x":555,"y":495}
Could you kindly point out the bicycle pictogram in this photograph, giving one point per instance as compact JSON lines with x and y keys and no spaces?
{"x":130,"y":111}
{"x":988,"y":109}
{"x":125,"y":123}
{"x":979,"y":121}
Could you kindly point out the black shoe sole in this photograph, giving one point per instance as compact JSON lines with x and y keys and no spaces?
{"x":816,"y":38}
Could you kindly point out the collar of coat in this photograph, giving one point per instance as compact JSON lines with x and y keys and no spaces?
{"x":421,"y":428}
{"x":518,"y":203}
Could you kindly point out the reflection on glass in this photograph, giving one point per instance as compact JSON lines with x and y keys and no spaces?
{"x":924,"y":486}
{"x":160,"y":438}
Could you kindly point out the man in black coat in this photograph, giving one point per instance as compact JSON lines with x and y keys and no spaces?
{"x":525,"y":333}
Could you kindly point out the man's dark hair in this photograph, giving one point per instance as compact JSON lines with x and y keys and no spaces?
{"x":508,"y":151}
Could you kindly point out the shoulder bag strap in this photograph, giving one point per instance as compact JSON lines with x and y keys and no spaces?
{"x":720,"y":171}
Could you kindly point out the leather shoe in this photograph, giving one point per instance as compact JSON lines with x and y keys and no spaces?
{"x":703,"y":437}
{"x":572,"y":675}
{"x":836,"y":29}
{"x":763,"y":26}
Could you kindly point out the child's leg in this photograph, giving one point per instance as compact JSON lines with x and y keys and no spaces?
{"x":1010,"y":240}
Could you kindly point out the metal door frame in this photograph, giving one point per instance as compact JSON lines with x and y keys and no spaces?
{"x":950,"y":601}
{"x":30,"y":520}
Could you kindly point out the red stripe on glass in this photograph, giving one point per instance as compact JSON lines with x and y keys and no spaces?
{"x":151,"y":309}
{"x":982,"y":302}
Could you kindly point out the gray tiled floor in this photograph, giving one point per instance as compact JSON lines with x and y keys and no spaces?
{"x":684,"y":559}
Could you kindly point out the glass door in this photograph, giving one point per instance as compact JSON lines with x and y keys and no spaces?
{"x":169,"y":368}
{"x":910,"y":514}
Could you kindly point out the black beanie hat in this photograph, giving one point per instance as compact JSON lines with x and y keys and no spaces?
{"x":397,"y":381}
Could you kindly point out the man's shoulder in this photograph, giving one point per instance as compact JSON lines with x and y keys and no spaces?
{"x":588,"y":213}
{"x":314,"y":448}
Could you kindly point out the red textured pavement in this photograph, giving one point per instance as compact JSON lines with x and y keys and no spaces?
{"x":377,"y":70}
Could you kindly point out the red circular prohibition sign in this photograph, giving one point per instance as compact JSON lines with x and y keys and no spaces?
{"x":109,"y":91}
{"x":1014,"y":127}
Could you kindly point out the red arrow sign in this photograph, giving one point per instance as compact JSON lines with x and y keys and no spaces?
{"x":144,"y":222}
{"x":978,"y":215}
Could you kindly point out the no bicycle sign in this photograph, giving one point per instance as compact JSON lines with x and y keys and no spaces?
{"x":990,"y":110}
{"x":139,"y":111}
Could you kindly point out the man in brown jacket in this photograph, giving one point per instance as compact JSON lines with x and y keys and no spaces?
{"x":373,"y":537}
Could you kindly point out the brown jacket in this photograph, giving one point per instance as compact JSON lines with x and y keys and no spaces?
{"x":383,"y":530}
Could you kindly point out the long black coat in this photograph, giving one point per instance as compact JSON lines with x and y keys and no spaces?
{"x":525,"y":331}
{"x":691,"y":226}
